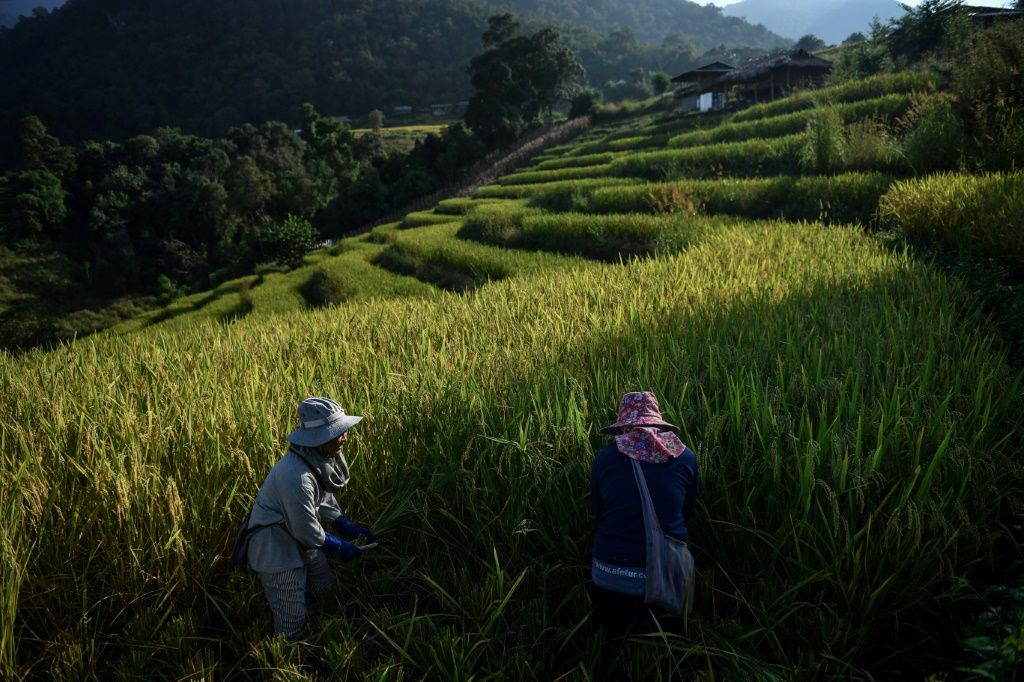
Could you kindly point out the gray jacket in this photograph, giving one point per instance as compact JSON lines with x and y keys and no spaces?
{"x":289,"y":502}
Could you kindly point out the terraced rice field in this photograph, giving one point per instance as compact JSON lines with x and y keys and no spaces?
{"x":856,"y":422}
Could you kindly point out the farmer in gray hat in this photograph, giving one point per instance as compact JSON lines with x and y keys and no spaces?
{"x":288,"y":547}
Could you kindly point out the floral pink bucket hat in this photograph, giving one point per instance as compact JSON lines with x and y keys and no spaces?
{"x":641,"y":433}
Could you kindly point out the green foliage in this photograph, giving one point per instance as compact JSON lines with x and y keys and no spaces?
{"x":859,"y":61}
{"x":972,"y":214}
{"x":824,"y":149}
{"x":810,"y":43}
{"x":36,"y":205}
{"x":922,"y":29}
{"x":584,"y":103}
{"x":870,"y":144}
{"x":517,"y":80}
{"x":660,"y":82}
{"x":287,"y":242}
{"x":934,"y":138}
{"x":986,"y":81}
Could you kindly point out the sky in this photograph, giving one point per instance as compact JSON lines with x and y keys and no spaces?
{"x":978,"y":3}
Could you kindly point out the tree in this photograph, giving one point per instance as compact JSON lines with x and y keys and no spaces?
{"x":922,"y":29}
{"x":810,"y":43}
{"x":376,"y":120}
{"x":517,"y":79}
{"x":855,"y":37}
{"x":37,"y":204}
{"x":287,"y":242}
{"x":584,"y":103}
{"x":41,"y":150}
{"x":660,"y":82}
{"x":329,"y":144}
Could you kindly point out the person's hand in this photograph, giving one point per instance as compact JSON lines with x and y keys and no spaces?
{"x":336,"y":547}
{"x":345,"y":526}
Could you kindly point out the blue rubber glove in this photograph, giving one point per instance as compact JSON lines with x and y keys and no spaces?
{"x":345,"y":526}
{"x":336,"y":547}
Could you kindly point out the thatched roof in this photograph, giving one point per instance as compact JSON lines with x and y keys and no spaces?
{"x":706,"y":70}
{"x":755,"y":69}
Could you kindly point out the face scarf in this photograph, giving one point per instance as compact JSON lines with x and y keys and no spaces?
{"x":649,"y":444}
{"x":332,"y":472}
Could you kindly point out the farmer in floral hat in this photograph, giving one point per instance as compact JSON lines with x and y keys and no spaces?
{"x":669,"y":469}
{"x":288,"y":547}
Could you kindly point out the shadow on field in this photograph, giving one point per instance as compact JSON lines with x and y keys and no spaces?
{"x":816,"y":421}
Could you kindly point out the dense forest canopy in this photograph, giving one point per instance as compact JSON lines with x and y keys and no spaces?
{"x":110,"y":69}
{"x":650,"y":20}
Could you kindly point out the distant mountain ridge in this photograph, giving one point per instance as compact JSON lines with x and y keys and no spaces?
{"x":651,"y":20}
{"x":12,"y":10}
{"x":830,"y":20}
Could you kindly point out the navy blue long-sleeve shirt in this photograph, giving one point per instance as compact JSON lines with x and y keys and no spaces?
{"x":615,"y":500}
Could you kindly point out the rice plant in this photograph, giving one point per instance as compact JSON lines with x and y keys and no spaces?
{"x":749,"y":157}
{"x":848,"y":197}
{"x":862,"y":89}
{"x":857,"y":433}
{"x":979,"y":215}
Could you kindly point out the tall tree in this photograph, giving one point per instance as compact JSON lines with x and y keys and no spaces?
{"x":517,"y":79}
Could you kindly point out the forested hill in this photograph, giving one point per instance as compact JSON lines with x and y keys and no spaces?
{"x":108,"y":69}
{"x":651,"y":20}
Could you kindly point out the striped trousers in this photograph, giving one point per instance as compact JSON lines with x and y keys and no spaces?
{"x":296,"y":595}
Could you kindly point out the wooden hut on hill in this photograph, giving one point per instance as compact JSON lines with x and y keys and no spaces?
{"x":698,"y":91}
{"x":767,"y":78}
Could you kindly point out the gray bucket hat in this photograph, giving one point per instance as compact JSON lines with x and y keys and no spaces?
{"x":321,"y":420}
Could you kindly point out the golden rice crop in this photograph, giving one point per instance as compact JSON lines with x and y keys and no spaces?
{"x":976,"y":214}
{"x":854,"y":425}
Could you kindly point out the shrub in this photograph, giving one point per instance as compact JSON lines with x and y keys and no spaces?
{"x":288,"y":242}
{"x":326,"y":288}
{"x":934,"y":140}
{"x":986,"y":81}
{"x":870,"y":144}
{"x":824,"y":149}
{"x":584,"y":103}
{"x":980,"y":215}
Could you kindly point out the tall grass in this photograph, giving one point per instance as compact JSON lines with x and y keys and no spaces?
{"x":979,"y":215}
{"x":855,"y":429}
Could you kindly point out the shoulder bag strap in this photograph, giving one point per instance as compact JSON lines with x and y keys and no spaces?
{"x":650,"y":516}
